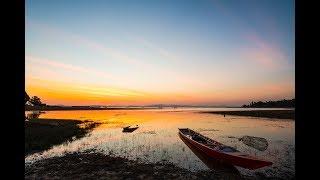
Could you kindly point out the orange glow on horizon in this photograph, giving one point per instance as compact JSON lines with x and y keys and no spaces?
{"x":54,"y":92}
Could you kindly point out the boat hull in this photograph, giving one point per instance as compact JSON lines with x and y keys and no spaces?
{"x":129,"y":130}
{"x":247,"y":162}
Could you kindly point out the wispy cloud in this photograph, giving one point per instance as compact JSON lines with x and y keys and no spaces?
{"x":255,"y":47}
{"x":69,"y":67}
{"x":111,"y":52}
{"x":264,"y":53}
{"x":98,"y":90}
{"x":86,"y":42}
{"x":160,"y":50}
{"x":107,"y":51}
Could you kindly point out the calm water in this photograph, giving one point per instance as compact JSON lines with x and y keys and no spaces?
{"x":157,"y":138}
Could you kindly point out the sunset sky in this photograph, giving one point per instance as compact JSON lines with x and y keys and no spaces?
{"x":138,"y":52}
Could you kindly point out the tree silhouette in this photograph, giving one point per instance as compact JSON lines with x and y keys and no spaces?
{"x":35,"y":100}
{"x":272,"y":104}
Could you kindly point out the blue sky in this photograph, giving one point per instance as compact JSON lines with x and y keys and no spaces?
{"x":191,"y":52}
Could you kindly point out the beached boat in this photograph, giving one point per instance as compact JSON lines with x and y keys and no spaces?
{"x":222,"y":152}
{"x":211,"y":163}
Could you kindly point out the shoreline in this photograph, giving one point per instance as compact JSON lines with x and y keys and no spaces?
{"x":94,"y":165}
{"x":278,"y":114}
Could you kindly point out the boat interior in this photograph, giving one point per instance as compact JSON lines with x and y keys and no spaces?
{"x":206,"y":141}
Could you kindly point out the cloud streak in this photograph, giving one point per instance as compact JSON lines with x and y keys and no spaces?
{"x":80,"y":40}
{"x":110,"y":52}
{"x":163,"y":52}
{"x":68,"y":67}
{"x":264,"y":53}
{"x":256,"y":49}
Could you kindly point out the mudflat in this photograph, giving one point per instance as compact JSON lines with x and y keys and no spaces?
{"x":99,"y":166}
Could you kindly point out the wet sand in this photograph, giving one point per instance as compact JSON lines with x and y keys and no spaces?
{"x":279,"y":114}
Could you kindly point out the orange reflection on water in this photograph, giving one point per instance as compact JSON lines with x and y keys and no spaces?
{"x":210,"y":124}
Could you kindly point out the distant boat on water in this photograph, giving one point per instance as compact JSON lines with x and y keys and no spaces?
{"x":130,"y":129}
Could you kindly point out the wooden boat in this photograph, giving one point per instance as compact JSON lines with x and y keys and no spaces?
{"x":222,"y":152}
{"x":212,"y":163}
{"x":129,"y":129}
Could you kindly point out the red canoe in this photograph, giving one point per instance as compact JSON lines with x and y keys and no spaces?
{"x":225,"y":153}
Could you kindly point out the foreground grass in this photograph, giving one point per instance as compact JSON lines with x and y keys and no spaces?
{"x":42,"y":134}
{"x":279,"y":114}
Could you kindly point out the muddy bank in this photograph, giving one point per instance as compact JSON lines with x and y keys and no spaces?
{"x":99,"y":166}
{"x":41,"y":134}
{"x":279,"y":114}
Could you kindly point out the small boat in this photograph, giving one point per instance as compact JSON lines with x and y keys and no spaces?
{"x":222,"y":152}
{"x":130,"y":129}
{"x":212,"y":163}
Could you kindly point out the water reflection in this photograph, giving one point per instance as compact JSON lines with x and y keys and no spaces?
{"x":34,"y":114}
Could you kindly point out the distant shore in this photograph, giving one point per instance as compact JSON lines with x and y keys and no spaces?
{"x":70,"y":108}
{"x":67,"y":108}
{"x":279,"y":114}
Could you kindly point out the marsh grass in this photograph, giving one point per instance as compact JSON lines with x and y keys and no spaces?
{"x":42,"y":134}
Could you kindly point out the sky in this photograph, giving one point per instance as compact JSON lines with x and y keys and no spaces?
{"x":140,"y":52}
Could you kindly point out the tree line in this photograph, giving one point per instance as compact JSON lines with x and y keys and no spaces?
{"x":271,"y":104}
